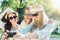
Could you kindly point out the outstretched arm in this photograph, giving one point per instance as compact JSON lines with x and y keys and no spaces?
{"x":4,"y":12}
{"x":1,"y":16}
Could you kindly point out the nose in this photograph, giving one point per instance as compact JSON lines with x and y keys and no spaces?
{"x":14,"y":19}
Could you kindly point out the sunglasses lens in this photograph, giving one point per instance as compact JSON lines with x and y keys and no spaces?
{"x":34,"y":14}
{"x":12,"y":17}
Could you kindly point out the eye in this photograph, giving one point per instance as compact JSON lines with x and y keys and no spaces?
{"x":10,"y":18}
{"x":14,"y":16}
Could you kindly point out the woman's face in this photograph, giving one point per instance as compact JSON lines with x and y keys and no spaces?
{"x":37,"y":17}
{"x":27,"y":15}
{"x":12,"y":18}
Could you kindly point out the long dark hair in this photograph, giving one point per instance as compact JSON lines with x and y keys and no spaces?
{"x":8,"y":23}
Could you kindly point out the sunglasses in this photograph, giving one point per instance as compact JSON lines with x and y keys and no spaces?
{"x":36,"y":14}
{"x":12,"y":17}
{"x":27,"y":14}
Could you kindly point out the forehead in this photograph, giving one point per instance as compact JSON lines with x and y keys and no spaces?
{"x":33,"y":12}
{"x":27,"y":11}
{"x":11,"y":14}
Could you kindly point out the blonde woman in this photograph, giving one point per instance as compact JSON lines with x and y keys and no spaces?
{"x":43,"y":26}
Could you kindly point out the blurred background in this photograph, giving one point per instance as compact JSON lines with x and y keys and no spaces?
{"x":52,"y":9}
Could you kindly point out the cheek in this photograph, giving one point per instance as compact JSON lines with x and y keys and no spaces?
{"x":14,"y":20}
{"x":35,"y":18}
{"x":11,"y":21}
{"x":26,"y":17}
{"x":29,"y":17}
{"x":17,"y":18}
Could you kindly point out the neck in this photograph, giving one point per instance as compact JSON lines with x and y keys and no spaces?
{"x":14,"y":26}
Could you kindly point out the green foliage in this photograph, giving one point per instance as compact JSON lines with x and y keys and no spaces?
{"x":56,"y":32}
{"x":1,"y":31}
{"x":20,"y":18}
{"x":10,"y":3}
{"x":5,"y":4}
{"x":3,"y":19}
{"x":13,"y":4}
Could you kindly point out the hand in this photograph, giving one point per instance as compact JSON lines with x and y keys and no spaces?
{"x":51,"y":21}
{"x":5,"y":35}
{"x":17,"y":37}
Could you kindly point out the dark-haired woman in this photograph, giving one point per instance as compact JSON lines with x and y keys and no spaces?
{"x":11,"y":22}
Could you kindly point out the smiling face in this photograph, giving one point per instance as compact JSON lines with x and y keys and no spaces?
{"x":12,"y":18}
{"x":27,"y":16}
{"x":37,"y":17}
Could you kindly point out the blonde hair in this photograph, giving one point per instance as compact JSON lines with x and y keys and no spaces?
{"x":44,"y":18}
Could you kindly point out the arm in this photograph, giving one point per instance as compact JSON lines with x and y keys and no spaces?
{"x":46,"y":32}
{"x":1,"y":16}
{"x":3,"y":13}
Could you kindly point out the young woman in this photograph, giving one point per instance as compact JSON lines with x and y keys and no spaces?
{"x":11,"y":22}
{"x":8,"y":12}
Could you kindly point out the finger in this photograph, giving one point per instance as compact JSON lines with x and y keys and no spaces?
{"x":7,"y":30}
{"x":5,"y":34}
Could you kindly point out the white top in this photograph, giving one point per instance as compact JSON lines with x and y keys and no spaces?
{"x":45,"y":33}
{"x":25,"y":28}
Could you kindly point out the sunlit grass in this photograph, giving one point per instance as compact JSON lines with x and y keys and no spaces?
{"x":55,"y":36}
{"x":1,"y":31}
